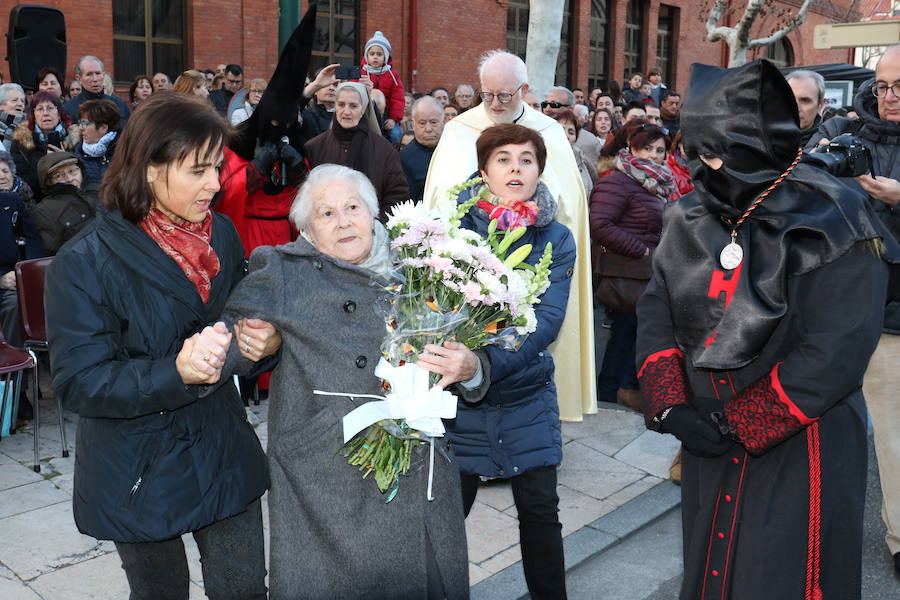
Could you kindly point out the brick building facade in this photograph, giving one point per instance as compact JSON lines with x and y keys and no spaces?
{"x":436,"y":42}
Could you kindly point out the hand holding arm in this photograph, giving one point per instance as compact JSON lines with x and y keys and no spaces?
{"x":257,"y":339}
{"x":202,"y":356}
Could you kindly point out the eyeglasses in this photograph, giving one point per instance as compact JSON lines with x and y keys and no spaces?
{"x":545,"y":104}
{"x":85,"y":123}
{"x":880,"y":90}
{"x":502,"y":97}
{"x":646,"y":126}
{"x":256,"y":91}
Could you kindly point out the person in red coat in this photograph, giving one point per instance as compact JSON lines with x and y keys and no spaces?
{"x":377,"y":64}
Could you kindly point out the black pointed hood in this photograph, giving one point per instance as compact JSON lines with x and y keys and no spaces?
{"x":747,"y":116}
{"x":276,"y":114}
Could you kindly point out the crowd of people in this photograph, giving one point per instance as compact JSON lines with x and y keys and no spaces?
{"x":685,"y":285}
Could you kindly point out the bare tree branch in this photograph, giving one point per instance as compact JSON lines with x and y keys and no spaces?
{"x":795,"y":22}
{"x":750,"y":13}
{"x":713,"y":33}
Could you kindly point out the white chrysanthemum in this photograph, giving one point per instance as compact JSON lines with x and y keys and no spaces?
{"x":517,"y":286}
{"x":491,"y":283}
{"x":530,"y":319}
{"x":455,"y":248}
{"x":408,"y":212}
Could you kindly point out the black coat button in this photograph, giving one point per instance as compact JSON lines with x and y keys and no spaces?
{"x":317,"y":264}
{"x":349,"y":306}
{"x":361,"y":362}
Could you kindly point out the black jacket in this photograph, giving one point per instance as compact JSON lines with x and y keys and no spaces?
{"x":95,"y":166}
{"x":64,"y":211}
{"x":316,"y":121}
{"x":71,"y":106}
{"x":220,"y":99}
{"x":154,"y":460}
{"x":415,"y":159}
{"x":882,"y":138}
{"x":12,"y":209}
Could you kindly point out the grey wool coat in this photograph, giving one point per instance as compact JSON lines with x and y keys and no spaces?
{"x":332,"y":534}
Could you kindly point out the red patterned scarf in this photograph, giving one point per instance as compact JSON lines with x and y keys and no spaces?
{"x":520,"y":213}
{"x":187,"y":244}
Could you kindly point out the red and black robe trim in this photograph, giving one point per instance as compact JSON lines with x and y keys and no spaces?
{"x":763,"y":416}
{"x":663,"y":382}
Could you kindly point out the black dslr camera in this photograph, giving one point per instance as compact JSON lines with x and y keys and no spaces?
{"x":844,"y":156}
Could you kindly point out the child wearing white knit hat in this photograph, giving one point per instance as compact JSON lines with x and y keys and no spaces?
{"x":377,"y":63}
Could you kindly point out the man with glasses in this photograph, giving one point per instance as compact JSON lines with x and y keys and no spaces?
{"x":464,"y":97}
{"x":504,"y":87}
{"x":234,"y":80}
{"x":89,"y":71}
{"x":254,"y":95}
{"x":878,"y":105}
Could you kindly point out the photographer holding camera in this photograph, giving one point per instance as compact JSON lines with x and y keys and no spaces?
{"x":878,"y":128}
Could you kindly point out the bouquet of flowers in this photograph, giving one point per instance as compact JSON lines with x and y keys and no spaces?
{"x":450,"y":284}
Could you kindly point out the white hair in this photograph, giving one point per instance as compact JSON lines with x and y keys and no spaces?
{"x":322,"y":176}
{"x":6,"y":91}
{"x":570,"y":97}
{"x":464,"y":86}
{"x":81,"y":62}
{"x":426,"y":102}
{"x":514,"y":64}
{"x":580,"y":110}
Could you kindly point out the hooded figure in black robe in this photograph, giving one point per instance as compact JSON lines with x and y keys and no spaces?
{"x":757,"y":368}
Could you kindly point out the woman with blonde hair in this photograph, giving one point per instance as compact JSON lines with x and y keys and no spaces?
{"x":191,"y":82}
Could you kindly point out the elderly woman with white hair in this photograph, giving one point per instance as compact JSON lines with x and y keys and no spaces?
{"x":332,"y":535}
{"x":12,"y":111}
{"x":355,"y":141}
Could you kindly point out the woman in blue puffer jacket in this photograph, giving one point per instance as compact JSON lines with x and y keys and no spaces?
{"x":514,"y":432}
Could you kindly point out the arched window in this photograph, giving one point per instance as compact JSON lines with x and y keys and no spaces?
{"x":148,"y":38}
{"x":781,"y":53}
{"x":336,"y":27}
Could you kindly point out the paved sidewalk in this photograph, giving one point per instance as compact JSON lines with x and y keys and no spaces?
{"x":611,"y":483}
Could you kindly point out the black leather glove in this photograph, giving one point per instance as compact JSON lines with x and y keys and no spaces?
{"x":698,"y":435}
{"x":265,"y":156}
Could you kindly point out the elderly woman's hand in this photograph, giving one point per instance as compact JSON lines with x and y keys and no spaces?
{"x":452,"y":360}
{"x":257,"y":339}
{"x":202,"y":355}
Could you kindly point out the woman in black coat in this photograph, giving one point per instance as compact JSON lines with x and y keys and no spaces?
{"x":162,"y":449}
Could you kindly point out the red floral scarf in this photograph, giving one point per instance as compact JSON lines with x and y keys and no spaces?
{"x":188,"y":245}
{"x":520,"y":214}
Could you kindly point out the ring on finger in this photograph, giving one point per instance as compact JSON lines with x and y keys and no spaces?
{"x":247,"y":348}
{"x":207,"y":357}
